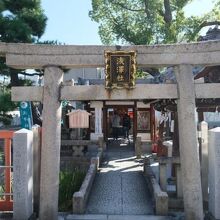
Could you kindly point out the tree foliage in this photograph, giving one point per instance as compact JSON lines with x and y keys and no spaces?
{"x":21,"y":21}
{"x":6,"y":105}
{"x":144,"y":22}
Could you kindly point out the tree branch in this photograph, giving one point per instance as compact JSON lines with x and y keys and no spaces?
{"x":146,"y":5}
{"x":205,"y":24}
{"x":208,"y":23}
{"x":161,"y":13}
{"x":168,"y":13}
{"x":31,"y":74}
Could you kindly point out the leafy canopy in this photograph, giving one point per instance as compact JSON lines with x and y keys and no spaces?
{"x":21,"y":21}
{"x":144,"y":22}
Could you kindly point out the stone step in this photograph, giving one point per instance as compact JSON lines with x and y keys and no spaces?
{"x":116,"y":217}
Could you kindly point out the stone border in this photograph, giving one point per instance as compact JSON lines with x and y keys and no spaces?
{"x":80,"y":198}
{"x":160,"y":198}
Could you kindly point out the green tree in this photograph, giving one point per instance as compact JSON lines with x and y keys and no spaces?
{"x":6,"y":105}
{"x":21,"y":21}
{"x":144,"y":22}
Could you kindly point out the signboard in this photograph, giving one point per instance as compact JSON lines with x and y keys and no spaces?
{"x":26,"y":115}
{"x":120,"y":69}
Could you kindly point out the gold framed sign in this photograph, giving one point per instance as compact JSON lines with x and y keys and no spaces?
{"x":120,"y":69}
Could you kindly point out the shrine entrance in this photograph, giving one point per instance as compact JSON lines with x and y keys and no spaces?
{"x":54,"y":58}
{"x":121,"y":111}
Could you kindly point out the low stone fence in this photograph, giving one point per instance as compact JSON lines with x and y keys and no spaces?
{"x":96,"y":160}
{"x":177,"y":201}
{"x":160,"y":198}
{"x":80,"y":198}
{"x":138,"y":148}
{"x":69,"y":163}
{"x":78,"y":148}
{"x":142,"y":147}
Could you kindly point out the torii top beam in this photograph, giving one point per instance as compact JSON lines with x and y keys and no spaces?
{"x":23,"y":56}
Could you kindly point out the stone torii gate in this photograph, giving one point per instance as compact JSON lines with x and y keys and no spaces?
{"x":55,"y":58}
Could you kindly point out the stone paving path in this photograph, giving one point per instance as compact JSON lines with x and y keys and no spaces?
{"x":119,"y":187}
{"x":116,"y":217}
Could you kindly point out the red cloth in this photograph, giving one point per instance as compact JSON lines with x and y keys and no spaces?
{"x":154,"y":148}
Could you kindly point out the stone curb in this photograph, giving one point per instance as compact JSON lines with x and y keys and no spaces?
{"x":80,"y":198}
{"x":160,"y":197}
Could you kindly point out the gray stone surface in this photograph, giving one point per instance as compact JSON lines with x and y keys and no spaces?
{"x":179,"y":184}
{"x":204,"y":159}
{"x":160,"y":198}
{"x":163,"y":176}
{"x":189,"y":154}
{"x":138,"y":145}
{"x":98,"y":92}
{"x":50,"y":151}
{"x":17,"y":55}
{"x":214,"y":175}
{"x":22,"y":174}
{"x":119,"y":187}
{"x":80,"y":198}
{"x":36,"y":166}
{"x":116,"y":217}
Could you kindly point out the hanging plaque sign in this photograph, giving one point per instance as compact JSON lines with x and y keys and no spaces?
{"x":120,"y":69}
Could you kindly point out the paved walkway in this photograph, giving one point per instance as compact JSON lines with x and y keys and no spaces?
{"x":119,"y":187}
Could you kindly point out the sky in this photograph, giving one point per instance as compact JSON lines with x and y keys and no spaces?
{"x":69,"y":23}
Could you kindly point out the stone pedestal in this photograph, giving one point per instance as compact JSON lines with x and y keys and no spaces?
{"x":22,"y":174}
{"x":138,"y":149}
{"x":98,"y":120}
{"x":163,"y":176}
{"x":214,"y":172}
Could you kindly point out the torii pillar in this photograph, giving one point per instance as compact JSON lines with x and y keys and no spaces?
{"x":50,"y":151}
{"x":189,"y":154}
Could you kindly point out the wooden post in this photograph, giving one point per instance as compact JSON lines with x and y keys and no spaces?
{"x":50,"y":152}
{"x":189,"y":154}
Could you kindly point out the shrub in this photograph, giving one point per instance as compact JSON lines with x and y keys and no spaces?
{"x":70,"y":182}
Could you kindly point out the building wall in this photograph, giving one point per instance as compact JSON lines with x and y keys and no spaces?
{"x":84,"y":73}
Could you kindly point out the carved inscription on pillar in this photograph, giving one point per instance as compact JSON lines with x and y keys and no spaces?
{"x":120,"y":69}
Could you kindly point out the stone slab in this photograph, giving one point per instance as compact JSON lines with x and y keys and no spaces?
{"x":80,"y":198}
{"x":98,"y":92}
{"x":119,"y":187}
{"x":137,"y":217}
{"x":36,"y":56}
{"x":214,"y":176}
{"x":87,"y":217}
{"x":116,"y":217}
{"x":22,"y":174}
{"x":37,"y":49}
